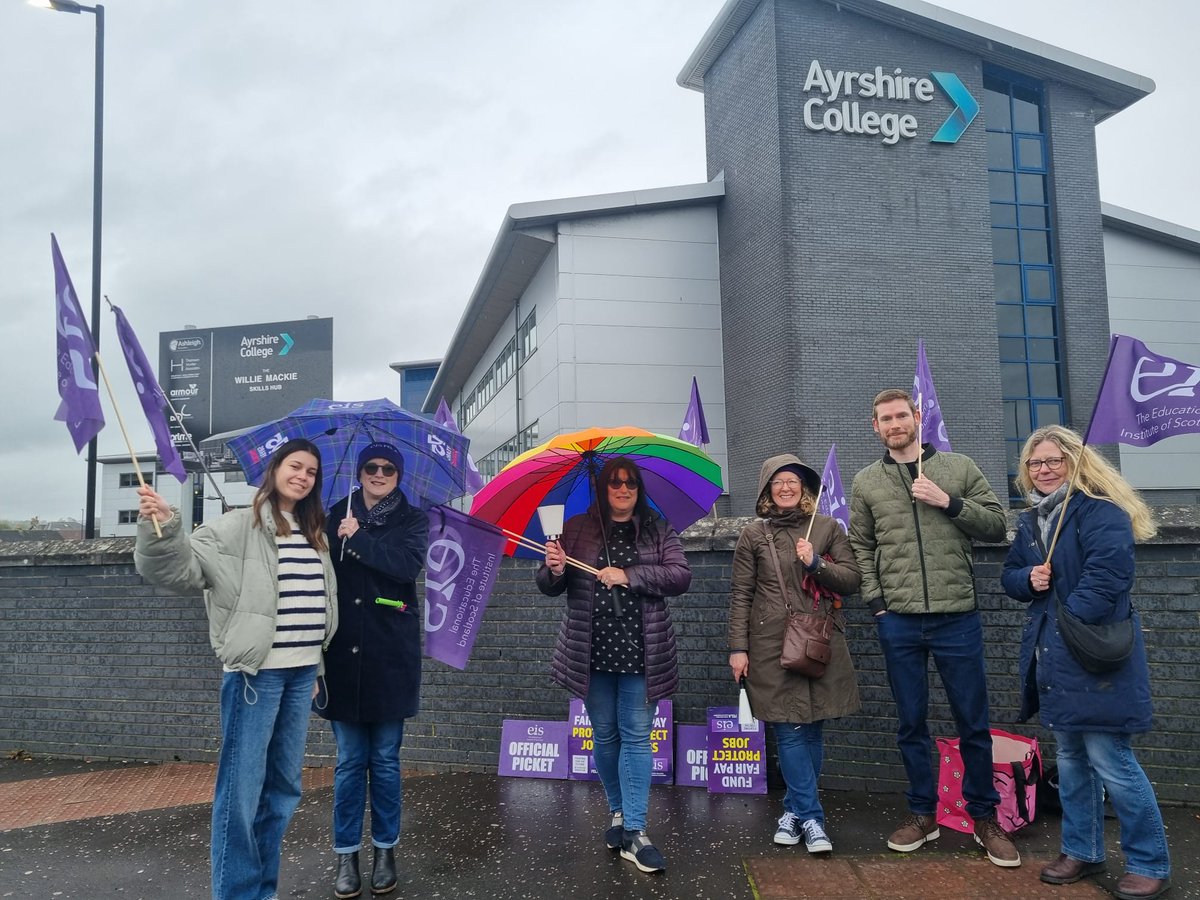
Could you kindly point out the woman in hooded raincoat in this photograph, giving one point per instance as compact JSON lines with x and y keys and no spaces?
{"x":814,"y":556}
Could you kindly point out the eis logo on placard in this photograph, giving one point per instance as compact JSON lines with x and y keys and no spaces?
{"x":837,"y":103}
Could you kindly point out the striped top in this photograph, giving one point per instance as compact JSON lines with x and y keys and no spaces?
{"x":300,"y":616}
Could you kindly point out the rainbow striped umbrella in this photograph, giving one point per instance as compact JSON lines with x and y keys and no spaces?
{"x":681,"y":481}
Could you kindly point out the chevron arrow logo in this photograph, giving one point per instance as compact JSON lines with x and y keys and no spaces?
{"x":287,"y":338}
{"x":966,"y":108}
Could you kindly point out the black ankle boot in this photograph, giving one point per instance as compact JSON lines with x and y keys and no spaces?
{"x":383,"y":871}
{"x":348,"y":882}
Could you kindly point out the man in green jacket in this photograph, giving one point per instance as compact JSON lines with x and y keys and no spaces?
{"x":913,"y":515}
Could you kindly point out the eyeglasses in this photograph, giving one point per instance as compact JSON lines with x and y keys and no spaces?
{"x":630,"y":483}
{"x":387,"y":469}
{"x":785,"y":483}
{"x":1053,"y":463}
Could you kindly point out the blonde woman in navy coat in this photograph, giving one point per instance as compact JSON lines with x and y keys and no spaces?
{"x":1093,"y":716}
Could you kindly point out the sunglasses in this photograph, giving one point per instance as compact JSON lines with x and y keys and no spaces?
{"x":387,"y":469}
{"x":630,"y":483}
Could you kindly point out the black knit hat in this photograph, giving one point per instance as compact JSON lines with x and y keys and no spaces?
{"x":381,"y":450}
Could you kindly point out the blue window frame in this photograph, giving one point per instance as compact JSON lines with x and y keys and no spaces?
{"x":1023,"y":253}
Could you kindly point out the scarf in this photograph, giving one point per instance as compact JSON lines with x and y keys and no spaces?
{"x":1046,"y":506}
{"x":794,"y":518}
{"x":377,"y":514}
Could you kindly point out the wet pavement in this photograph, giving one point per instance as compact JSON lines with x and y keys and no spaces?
{"x":72,"y":829}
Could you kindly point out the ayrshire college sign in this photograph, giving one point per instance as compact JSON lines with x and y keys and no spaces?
{"x":221,"y":379}
{"x":824,"y":112}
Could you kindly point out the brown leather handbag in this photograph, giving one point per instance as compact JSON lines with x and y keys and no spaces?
{"x":806,"y":640}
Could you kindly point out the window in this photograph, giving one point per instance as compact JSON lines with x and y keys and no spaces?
{"x":503,"y":368}
{"x":127,"y":516}
{"x":130,"y":479}
{"x":1025,"y":271}
{"x":527,"y":336}
{"x":491,"y":464}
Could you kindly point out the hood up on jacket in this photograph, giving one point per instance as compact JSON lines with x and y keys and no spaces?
{"x":812,"y":481}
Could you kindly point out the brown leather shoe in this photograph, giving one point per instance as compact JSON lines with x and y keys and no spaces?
{"x":999,"y":846}
{"x":1139,"y":887}
{"x":1067,"y":870}
{"x":913,"y":832}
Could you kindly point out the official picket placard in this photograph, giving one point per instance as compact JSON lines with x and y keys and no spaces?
{"x":533,"y":748}
{"x":737,"y":756}
{"x":582,"y":763}
{"x":691,"y":756}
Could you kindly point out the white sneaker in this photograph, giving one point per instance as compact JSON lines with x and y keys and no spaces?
{"x":788,"y":831}
{"x":815,"y":838}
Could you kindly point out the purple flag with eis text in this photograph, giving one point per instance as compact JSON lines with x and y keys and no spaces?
{"x":833,"y":496}
{"x":1145,"y":397}
{"x":461,"y":566}
{"x":80,"y":406}
{"x":933,"y":429}
{"x":694,"y":429}
{"x":154,"y":403}
{"x":445,"y":418}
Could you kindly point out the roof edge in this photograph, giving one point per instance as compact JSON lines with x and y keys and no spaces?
{"x":1142,"y":225}
{"x":1117,"y":86}
{"x":523,"y":219}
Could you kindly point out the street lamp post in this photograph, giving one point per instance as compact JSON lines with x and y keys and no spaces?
{"x":89,"y":523}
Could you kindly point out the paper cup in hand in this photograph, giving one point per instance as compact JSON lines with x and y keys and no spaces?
{"x":745,"y":716}
{"x":551,"y":518}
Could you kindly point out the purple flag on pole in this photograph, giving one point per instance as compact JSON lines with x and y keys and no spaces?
{"x":833,"y":497}
{"x":445,"y":418}
{"x":1144,"y":397}
{"x":694,"y":429}
{"x":933,"y":429}
{"x":80,"y":406}
{"x":461,"y":566}
{"x":154,"y":403}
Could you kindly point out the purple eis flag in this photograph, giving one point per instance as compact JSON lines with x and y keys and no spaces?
{"x":694,"y":429}
{"x":445,"y":418}
{"x":933,"y":429}
{"x":80,"y":406}
{"x":154,"y":403}
{"x":1144,"y":397}
{"x":461,"y":566}
{"x":833,"y":497}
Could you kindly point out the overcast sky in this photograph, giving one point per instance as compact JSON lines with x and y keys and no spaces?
{"x":269,"y":161}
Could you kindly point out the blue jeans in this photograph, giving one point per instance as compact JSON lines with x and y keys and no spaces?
{"x":1089,"y":761}
{"x":621,"y":723}
{"x":801,"y":750}
{"x":374,"y":748}
{"x":955,"y":641}
{"x":264,"y":723}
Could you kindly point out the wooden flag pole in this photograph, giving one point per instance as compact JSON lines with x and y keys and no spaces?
{"x":813,"y":517}
{"x":1062,"y":514}
{"x":538,"y":548}
{"x":125,"y":434}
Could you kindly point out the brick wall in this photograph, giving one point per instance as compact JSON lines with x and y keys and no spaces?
{"x":94,"y":662}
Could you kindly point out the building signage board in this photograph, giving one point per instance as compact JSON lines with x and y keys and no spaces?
{"x":844,"y":102}
{"x":223,"y":379}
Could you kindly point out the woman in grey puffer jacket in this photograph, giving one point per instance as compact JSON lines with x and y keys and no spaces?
{"x":616,"y":646}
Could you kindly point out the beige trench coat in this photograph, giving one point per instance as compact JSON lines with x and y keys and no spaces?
{"x":758,"y":618}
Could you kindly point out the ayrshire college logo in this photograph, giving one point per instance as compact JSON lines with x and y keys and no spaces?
{"x":849,"y":117}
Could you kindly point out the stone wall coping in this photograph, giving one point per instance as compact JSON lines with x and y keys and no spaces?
{"x":1176,"y":525}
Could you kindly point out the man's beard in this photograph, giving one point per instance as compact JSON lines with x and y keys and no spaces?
{"x":900,"y":441}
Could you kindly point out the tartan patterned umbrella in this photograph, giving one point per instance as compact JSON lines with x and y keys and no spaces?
{"x":435,"y":458}
{"x":681,"y":481}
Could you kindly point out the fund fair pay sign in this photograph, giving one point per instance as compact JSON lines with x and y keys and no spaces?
{"x":580,"y":744}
